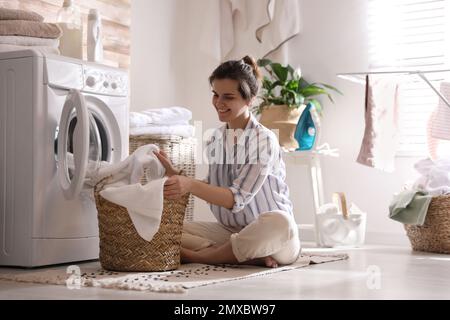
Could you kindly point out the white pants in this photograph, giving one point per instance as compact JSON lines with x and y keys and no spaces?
{"x":272,"y":234}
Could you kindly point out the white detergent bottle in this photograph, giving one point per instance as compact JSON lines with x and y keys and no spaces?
{"x":70,"y":22}
{"x":94,"y":37}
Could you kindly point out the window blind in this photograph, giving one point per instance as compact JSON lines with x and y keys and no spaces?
{"x":411,"y":35}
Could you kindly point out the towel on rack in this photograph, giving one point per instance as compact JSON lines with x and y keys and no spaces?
{"x":16,"y":14}
{"x":440,"y":123}
{"x":29,"y":29}
{"x":380,"y":139}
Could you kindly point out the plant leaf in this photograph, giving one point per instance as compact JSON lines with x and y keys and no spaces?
{"x":331,"y":88}
{"x":313,"y":90}
{"x":280,"y":71}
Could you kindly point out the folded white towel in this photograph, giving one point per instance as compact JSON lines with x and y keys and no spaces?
{"x":29,"y":41}
{"x":143,"y":203}
{"x":185,"y":131}
{"x":139,"y":119}
{"x":168,"y":115}
{"x":41,"y":49}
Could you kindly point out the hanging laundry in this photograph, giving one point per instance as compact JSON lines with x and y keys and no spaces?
{"x":249,"y":27}
{"x":440,"y":123}
{"x":380,"y":140}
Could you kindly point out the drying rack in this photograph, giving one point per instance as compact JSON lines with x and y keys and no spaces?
{"x":351,"y":76}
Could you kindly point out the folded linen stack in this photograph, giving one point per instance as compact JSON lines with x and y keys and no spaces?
{"x":20,"y":29}
{"x":171,"y":120}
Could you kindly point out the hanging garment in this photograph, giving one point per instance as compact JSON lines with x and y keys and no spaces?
{"x":256,"y":27}
{"x":440,"y":123}
{"x":380,"y":139}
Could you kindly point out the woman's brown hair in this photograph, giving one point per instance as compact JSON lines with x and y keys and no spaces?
{"x":245,"y":71}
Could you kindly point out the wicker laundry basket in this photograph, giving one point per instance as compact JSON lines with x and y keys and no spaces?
{"x":434,"y":234}
{"x":121,"y":247}
{"x":181,"y":152}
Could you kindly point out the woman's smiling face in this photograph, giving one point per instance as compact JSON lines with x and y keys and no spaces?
{"x":227,"y":100}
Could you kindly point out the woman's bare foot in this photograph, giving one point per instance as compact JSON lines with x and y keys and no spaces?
{"x":222,"y":254}
{"x":188,"y":256}
{"x":270,"y":262}
{"x":266,"y":261}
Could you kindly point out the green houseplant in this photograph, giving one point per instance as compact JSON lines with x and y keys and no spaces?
{"x":283,"y":97}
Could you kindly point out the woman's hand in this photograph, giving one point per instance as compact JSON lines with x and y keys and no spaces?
{"x":164,"y":159}
{"x":176,"y":186}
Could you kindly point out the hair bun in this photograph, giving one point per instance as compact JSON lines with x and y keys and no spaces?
{"x":252,"y":63}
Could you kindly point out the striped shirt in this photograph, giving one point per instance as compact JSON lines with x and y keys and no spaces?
{"x":249,"y":163}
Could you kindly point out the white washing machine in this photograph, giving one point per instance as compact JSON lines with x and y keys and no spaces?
{"x":58,"y":117}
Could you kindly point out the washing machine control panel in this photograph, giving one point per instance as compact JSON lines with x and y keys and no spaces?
{"x":105,"y":81}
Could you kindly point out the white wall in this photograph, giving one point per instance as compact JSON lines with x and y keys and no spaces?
{"x":156,"y":41}
{"x":333,"y":40}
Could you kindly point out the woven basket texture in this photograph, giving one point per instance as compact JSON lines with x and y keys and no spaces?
{"x":181,"y":152}
{"x":121,"y":247}
{"x":434,"y":234}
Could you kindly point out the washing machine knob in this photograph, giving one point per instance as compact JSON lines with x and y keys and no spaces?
{"x":114,"y":85}
{"x":105,"y":84}
{"x":90,"y":81}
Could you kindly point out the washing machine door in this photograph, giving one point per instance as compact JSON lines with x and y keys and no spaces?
{"x":78,"y":145}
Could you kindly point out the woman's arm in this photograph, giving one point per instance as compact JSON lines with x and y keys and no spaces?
{"x":177,"y":185}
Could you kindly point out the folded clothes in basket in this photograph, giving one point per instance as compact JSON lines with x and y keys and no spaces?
{"x":161,"y":116}
{"x":144,"y":118}
{"x":162,"y":121}
{"x":410,"y":207}
{"x":144,"y":203}
{"x":184,"y":131}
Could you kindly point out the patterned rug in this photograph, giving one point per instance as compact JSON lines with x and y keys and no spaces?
{"x":187,"y":276}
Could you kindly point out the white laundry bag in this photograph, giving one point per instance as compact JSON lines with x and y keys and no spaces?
{"x":338,"y":226}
